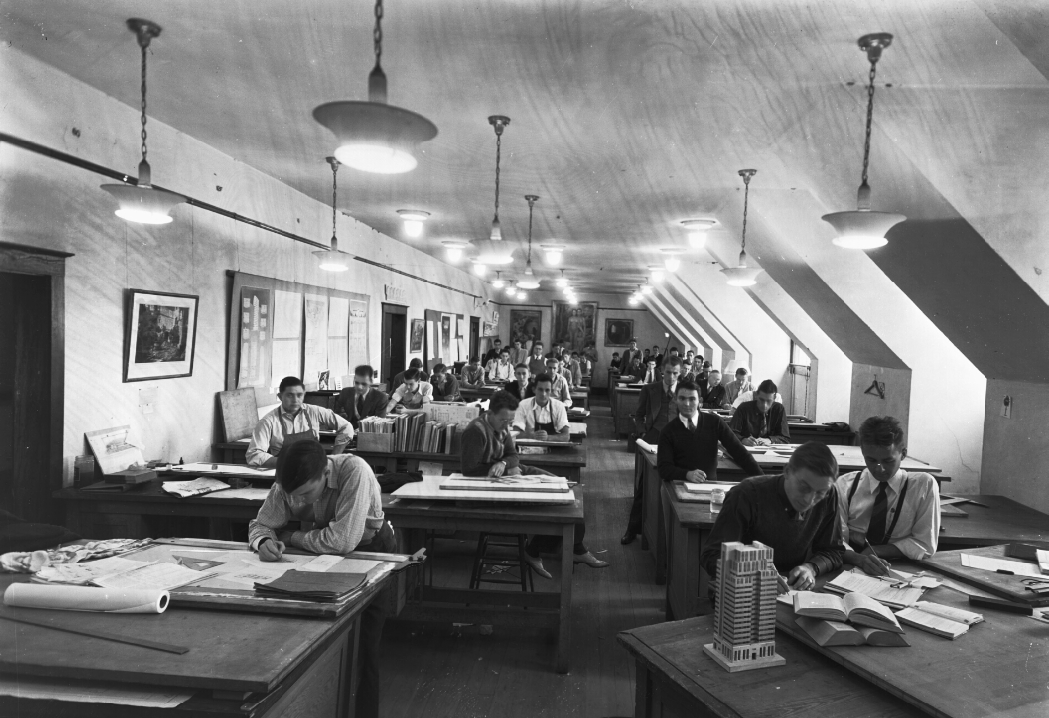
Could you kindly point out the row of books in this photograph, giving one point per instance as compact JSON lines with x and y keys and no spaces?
{"x":413,"y":433}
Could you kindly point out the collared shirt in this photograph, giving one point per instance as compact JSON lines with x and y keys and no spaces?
{"x":518,"y":355}
{"x":529,"y":415}
{"x":348,"y":512}
{"x":917,"y":531}
{"x":498,"y":371}
{"x":749,"y":422}
{"x":472,"y":376}
{"x":268,"y":437}
{"x":561,"y":391}
{"x":748,"y":395}
{"x":483,"y":446}
{"x":536,"y":364}
{"x":733,"y":389}
{"x":413,"y":399}
{"x":682,"y":450}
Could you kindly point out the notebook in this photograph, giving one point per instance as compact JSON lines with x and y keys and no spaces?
{"x":834,"y":633}
{"x":932,"y":623}
{"x":854,"y":608}
{"x":311,"y":585}
{"x":881,"y":591}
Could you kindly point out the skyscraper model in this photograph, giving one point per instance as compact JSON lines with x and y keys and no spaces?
{"x":745,"y":613}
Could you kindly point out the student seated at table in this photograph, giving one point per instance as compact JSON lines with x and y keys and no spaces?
{"x":398,"y":379}
{"x":763,"y":420}
{"x":737,"y":386}
{"x":748,"y":395}
{"x":362,"y":399}
{"x":294,"y":421}
{"x":615,"y":363}
{"x":445,"y":385}
{"x":714,"y":395}
{"x":688,"y":445}
{"x":651,"y":375}
{"x":522,"y":387}
{"x":629,"y":355}
{"x":562,"y":392}
{"x":795,"y":514}
{"x":701,"y":375}
{"x":473,"y":374}
{"x":499,"y":370}
{"x":575,"y":369}
{"x":886,"y":512}
{"x":536,"y":361}
{"x":488,"y":450}
{"x":412,"y":395}
{"x":589,"y":353}
{"x":540,"y":417}
{"x":337,"y":504}
{"x":494,"y":352}
{"x":518,"y":353}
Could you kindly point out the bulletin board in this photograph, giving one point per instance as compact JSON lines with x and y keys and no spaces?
{"x":443,"y":338}
{"x":309,"y":331}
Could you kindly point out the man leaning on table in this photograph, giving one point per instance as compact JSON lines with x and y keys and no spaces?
{"x":886,"y":512}
{"x":488,"y":449}
{"x":540,"y":417}
{"x":795,"y":514}
{"x":294,"y":421}
{"x":762,"y":420}
{"x":362,"y":399}
{"x":337,"y":504}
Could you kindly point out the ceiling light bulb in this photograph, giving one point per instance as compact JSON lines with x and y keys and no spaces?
{"x":498,"y":282}
{"x":646,"y":288}
{"x":566,"y":289}
{"x":633,"y":300}
{"x":657,"y":274}
{"x":522,"y":296}
{"x":511,"y":291}
{"x":480,"y":269}
{"x":454,"y":249}
{"x":672,"y":264}
{"x":573,"y":300}
{"x":528,"y":284}
{"x":332,"y":260}
{"x":697,"y":240}
{"x":413,"y":221}
{"x":562,"y":280}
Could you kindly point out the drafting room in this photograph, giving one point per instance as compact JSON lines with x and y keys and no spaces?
{"x":525,"y":358}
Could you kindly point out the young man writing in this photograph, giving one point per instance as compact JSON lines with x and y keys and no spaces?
{"x":445,"y":385}
{"x":362,"y":399}
{"x":488,"y":450}
{"x":763,"y":420}
{"x":886,"y":512}
{"x":413,"y":394}
{"x":540,"y":417}
{"x":294,"y":421}
{"x":340,"y":498}
{"x":738,"y":386}
{"x":473,"y":374}
{"x":795,"y":514}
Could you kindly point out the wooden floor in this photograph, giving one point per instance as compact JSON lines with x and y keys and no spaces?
{"x":456,"y":671}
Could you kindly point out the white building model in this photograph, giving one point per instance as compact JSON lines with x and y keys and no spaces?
{"x":745,"y":613}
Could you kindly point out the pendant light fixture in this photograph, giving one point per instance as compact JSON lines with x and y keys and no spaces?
{"x":142,"y":203}
{"x":697,"y":231}
{"x":553,"y":253}
{"x":494,"y":251}
{"x":864,"y":229}
{"x":658,"y":273}
{"x":375,"y":136}
{"x":645,"y":288}
{"x":454,"y":249}
{"x":479,"y":268}
{"x":413,"y":221}
{"x":531,"y":282}
{"x":672,"y":261}
{"x":332,"y":260}
{"x":498,"y":283}
{"x":562,"y":280}
{"x":741,"y":275}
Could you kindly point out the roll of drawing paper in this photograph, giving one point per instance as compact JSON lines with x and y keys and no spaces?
{"x":86,"y":598}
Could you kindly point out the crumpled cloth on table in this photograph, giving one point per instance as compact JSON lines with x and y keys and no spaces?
{"x":31,"y":562}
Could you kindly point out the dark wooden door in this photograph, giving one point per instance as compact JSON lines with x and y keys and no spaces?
{"x":475,"y":336}
{"x":394,"y":340}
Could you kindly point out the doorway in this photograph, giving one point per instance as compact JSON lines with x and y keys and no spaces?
{"x":475,"y":337}
{"x":394,"y":340}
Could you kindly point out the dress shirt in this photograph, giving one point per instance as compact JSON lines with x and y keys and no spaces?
{"x":348,"y":512}
{"x":529,"y":414}
{"x":651,"y":375}
{"x":449,"y":391}
{"x":758,"y":510}
{"x":575,"y":373}
{"x":733,"y":389}
{"x":917,"y":531}
{"x":353,"y":408}
{"x":748,"y":421}
{"x":514,"y":389}
{"x":483,"y":446}
{"x":714,"y":397}
{"x":518,"y":355}
{"x":491,"y":355}
{"x":536,"y":364}
{"x":413,"y":400}
{"x":497,"y":371}
{"x":473,"y":377}
{"x":268,"y":437}
{"x":748,"y":395}
{"x":655,"y":408}
{"x":682,"y":449}
{"x":561,"y":391}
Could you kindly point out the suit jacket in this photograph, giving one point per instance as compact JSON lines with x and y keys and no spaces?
{"x":733,"y":389}
{"x":514,"y":389}
{"x":650,"y":417}
{"x":374,"y":405}
{"x":681,"y":450}
{"x":628,"y":357}
{"x":715,"y":398}
{"x":747,"y":421}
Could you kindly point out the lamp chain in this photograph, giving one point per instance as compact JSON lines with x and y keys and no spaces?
{"x":378,"y":32}
{"x":531,"y":204}
{"x":498,"y":157}
{"x":334,"y":190}
{"x":746,"y":199}
{"x":870,"y":118}
{"x":144,"y":46}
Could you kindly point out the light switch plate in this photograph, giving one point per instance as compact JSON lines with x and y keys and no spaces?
{"x":1007,"y":407}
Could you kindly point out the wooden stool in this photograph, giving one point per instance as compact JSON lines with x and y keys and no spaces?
{"x":483,"y":560}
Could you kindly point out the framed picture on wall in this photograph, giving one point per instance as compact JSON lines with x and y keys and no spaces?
{"x":160,"y":335}
{"x":418,"y":327}
{"x":526,"y":326}
{"x":618,"y":332}
{"x":574,"y":325}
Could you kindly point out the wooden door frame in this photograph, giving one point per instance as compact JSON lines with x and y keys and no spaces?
{"x":38,"y":261}
{"x":389,"y":308}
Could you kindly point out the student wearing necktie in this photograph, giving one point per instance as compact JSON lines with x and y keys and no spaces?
{"x":763,"y":420}
{"x":886,"y":512}
{"x":651,"y":372}
{"x":362,"y":399}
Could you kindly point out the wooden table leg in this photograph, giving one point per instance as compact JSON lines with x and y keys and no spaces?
{"x":564,"y":636}
{"x":642,"y":691}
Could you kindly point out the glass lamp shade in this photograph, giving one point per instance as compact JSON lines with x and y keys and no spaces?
{"x":562,"y":281}
{"x":633,"y":300}
{"x":697,"y":239}
{"x":657,"y":274}
{"x":862,"y":229}
{"x":522,"y":295}
{"x":493,"y":252}
{"x":566,"y":289}
{"x":375,"y":137}
{"x":511,"y":291}
{"x":332,"y":260}
{"x":454,"y":250}
{"x":573,"y":300}
{"x":672,"y":264}
{"x":497,"y":231}
{"x":528,"y":284}
{"x":498,"y":283}
{"x":143,"y":205}
{"x":646,"y":289}
{"x":554,"y":254}
{"x":480,"y":268}
{"x":741,"y":275}
{"x":413,"y":221}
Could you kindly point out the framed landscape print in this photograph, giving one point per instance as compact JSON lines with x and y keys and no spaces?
{"x":418,"y":327}
{"x":618,"y":332}
{"x":574,"y":326}
{"x":160,"y":336}
{"x":526,"y":326}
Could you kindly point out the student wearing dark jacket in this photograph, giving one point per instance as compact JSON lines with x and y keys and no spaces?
{"x":763,"y":420}
{"x":362,"y":399}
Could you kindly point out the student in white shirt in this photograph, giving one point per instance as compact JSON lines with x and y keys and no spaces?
{"x":562,"y":392}
{"x":540,"y":417}
{"x":886,"y":512}
{"x":413,"y":394}
{"x":749,"y":396}
{"x":500,"y":370}
{"x":294,"y":421}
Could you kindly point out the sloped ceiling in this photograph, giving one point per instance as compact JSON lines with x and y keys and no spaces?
{"x":626,"y":118}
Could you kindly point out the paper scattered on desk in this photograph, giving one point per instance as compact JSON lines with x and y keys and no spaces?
{"x":431,"y":468}
{"x":82,"y":573}
{"x":321,"y":563}
{"x":879,"y":590}
{"x":987,"y":563}
{"x":196,"y":487}
{"x":69,"y":691}
{"x":220,"y":469}
{"x":165,"y":576}
{"x":250,"y":494}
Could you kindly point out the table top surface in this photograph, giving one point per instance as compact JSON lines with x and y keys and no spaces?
{"x":151,"y":492}
{"x":849,"y":458}
{"x":690,"y":514}
{"x":807,"y":685}
{"x":1004,"y":521}
{"x":567,"y":454}
{"x":394,"y":508}
{"x":228,"y":650}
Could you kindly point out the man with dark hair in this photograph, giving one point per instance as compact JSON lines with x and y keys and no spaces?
{"x":714,"y":395}
{"x":655,"y":408}
{"x":575,"y":369}
{"x":414,"y":394}
{"x":488,"y":449}
{"x":340,"y":497}
{"x":294,"y":421}
{"x":473,"y":373}
{"x":500,"y":369}
{"x":561,"y":391}
{"x":886,"y":512}
{"x":536,"y":361}
{"x":738,"y":386}
{"x":521,"y":387}
{"x":701,"y":376}
{"x":518,"y":354}
{"x":445,"y":385}
{"x":615,"y":363}
{"x":629,"y":356}
{"x":795,"y":514}
{"x":398,"y":379}
{"x":651,"y":375}
{"x":362,"y":399}
{"x":688,"y":447}
{"x":763,"y":420}
{"x":540,"y":417}
{"x":494,"y":352}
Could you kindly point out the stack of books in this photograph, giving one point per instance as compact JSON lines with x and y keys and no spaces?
{"x":326,"y":587}
{"x":826,"y":619}
{"x":410,"y":433}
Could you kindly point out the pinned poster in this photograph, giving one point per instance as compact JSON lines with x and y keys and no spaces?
{"x":315,"y":350}
{"x":256,"y":337}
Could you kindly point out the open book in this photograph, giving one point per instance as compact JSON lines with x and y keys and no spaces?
{"x":848,"y":582}
{"x":938,"y":619}
{"x":834,"y":633}
{"x":854,"y":607}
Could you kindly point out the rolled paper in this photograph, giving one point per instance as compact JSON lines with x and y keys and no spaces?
{"x":87,"y":598}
